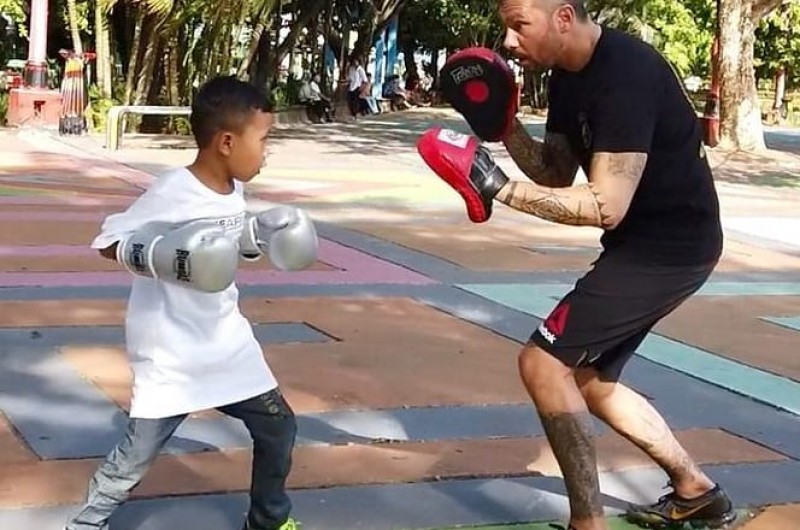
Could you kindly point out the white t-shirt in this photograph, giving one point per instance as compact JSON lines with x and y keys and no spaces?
{"x":310,"y":92}
{"x":188,"y":350}
{"x":316,"y":93}
{"x":355,"y":78}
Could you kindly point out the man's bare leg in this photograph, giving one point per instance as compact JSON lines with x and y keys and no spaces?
{"x":568,"y":426}
{"x":632,"y":416}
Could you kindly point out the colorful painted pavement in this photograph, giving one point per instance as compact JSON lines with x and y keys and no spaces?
{"x":397,"y":350}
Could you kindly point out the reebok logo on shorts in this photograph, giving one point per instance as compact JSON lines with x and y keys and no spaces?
{"x":552,"y":328}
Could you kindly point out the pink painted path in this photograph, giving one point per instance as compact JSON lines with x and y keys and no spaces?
{"x":355,"y":267}
{"x":63,"y":200}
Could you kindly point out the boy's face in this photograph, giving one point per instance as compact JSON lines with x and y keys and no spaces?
{"x":247,"y":149}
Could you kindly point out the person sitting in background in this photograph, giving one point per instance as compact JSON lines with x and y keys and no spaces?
{"x":370,"y":105}
{"x":318,"y":103}
{"x":395,"y":93}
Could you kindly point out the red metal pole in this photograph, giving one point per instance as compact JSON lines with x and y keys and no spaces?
{"x":711,"y":116}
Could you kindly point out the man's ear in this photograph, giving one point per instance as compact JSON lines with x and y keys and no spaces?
{"x":565,"y":17}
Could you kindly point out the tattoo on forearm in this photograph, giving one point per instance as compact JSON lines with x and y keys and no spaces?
{"x":572,"y":440}
{"x":603,"y":209}
{"x":614,"y":178}
{"x":578,"y":205}
{"x":603,"y":202}
{"x":548,"y":164}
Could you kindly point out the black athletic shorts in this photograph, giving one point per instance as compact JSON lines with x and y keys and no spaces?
{"x":608,"y":314}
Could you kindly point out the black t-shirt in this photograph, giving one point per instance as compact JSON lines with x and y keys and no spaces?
{"x":629,"y":99}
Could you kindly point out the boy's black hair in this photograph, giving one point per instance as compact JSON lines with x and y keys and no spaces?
{"x":225,"y":103}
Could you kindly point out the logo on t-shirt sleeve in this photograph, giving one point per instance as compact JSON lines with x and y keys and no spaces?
{"x":586,"y":130}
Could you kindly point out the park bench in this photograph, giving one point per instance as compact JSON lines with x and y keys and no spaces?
{"x":117,"y":113}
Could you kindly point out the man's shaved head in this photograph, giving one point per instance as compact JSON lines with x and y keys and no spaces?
{"x":551,"y":5}
{"x":578,"y":5}
{"x":541,"y":33}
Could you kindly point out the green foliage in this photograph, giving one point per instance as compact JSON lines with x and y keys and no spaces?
{"x":209,"y":37}
{"x":794,"y":110}
{"x":82,"y":8}
{"x":682,"y":31}
{"x":778,"y":44}
{"x":286,"y":94}
{"x":15,"y":11}
{"x":98,"y":108}
{"x":11,"y":44}
{"x":683,"y":36}
{"x":451,"y":24}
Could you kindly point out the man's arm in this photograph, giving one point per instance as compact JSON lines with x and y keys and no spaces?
{"x":603,"y":202}
{"x":549,"y":163}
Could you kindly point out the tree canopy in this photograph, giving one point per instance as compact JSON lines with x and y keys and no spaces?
{"x":157,"y":51}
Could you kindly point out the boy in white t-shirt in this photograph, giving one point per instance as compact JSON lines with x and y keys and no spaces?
{"x":190,"y":348}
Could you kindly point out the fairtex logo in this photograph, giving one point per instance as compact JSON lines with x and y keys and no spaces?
{"x":552,"y":328}
{"x":462,"y":74}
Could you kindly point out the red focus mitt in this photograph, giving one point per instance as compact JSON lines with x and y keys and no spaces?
{"x":479,"y":84}
{"x":467,"y":166}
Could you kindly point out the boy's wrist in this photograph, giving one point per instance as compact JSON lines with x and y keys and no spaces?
{"x":110,"y":252}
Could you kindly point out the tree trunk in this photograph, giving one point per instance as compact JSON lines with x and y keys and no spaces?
{"x":226,"y":37}
{"x":72,"y":10}
{"x":185,"y":75}
{"x":282,"y":48}
{"x":260,"y":74}
{"x":433,"y":70}
{"x":780,"y":88}
{"x":213,"y":52}
{"x":133,"y":64}
{"x":741,"y":125}
{"x":780,"y":93}
{"x":327,"y":87}
{"x":172,"y":75}
{"x":252,"y":47}
{"x":408,"y":59}
{"x":363,"y":45}
{"x":103,"y":47}
{"x":152,"y":56}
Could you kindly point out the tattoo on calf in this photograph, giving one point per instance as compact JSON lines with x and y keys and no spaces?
{"x":572,"y":440}
{"x":658,"y":441}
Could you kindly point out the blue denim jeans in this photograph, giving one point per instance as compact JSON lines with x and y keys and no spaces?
{"x":272,"y":426}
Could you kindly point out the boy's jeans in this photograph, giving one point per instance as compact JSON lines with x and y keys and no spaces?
{"x":272,"y":426}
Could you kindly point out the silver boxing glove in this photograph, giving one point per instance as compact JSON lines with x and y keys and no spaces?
{"x":196,"y":255}
{"x":285,"y":234}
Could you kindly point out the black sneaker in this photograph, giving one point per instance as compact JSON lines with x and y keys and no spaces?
{"x":711,"y":510}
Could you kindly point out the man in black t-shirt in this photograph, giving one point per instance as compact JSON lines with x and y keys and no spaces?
{"x":618,"y":111}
